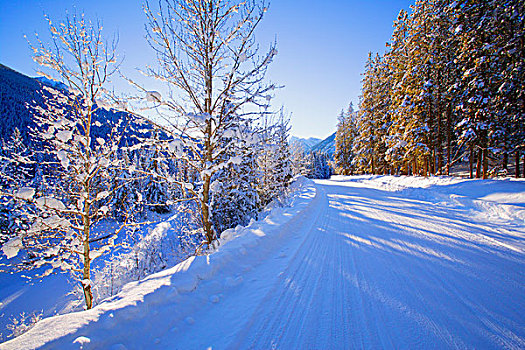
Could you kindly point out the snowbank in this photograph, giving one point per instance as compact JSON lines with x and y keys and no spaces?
{"x":499,"y":200}
{"x":166,"y":291}
{"x":499,"y":203}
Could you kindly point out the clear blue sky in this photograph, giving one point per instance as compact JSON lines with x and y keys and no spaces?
{"x":323,"y":45}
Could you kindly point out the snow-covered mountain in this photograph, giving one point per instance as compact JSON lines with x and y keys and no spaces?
{"x":16,"y":91}
{"x":53,"y":83}
{"x":313,"y":144}
{"x":307,"y":144}
{"x":326,"y":146}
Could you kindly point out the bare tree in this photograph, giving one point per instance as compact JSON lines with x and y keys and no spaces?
{"x":208,"y":58}
{"x":80,"y":152}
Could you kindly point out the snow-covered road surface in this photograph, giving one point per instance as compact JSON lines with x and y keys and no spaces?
{"x":378,"y":270}
{"x":370,"y":262}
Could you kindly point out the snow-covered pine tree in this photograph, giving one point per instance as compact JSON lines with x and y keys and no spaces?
{"x":234,"y":196}
{"x":154,"y":163}
{"x":344,"y":139}
{"x":300,"y":165}
{"x":453,"y":84}
{"x":127,"y":187}
{"x":282,"y":167}
{"x":396,"y":59}
{"x":373,"y":120}
{"x":207,"y":56}
{"x":319,"y":167}
{"x":17,"y":166}
{"x":274,"y":158}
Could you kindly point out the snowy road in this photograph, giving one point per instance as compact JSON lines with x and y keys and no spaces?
{"x":378,"y":270}
{"x":371,"y":264}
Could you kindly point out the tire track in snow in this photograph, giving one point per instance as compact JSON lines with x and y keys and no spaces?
{"x":291,"y":298}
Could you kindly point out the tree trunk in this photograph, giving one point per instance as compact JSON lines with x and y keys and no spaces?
{"x":206,"y":223}
{"x":208,"y":79}
{"x":485,"y":162}
{"x":517,"y":158}
{"x":471,"y":162}
{"x":86,"y":283}
{"x":449,"y":143}
{"x":439,"y":149}
{"x":478,"y":163}
{"x":86,"y":279}
{"x":431,"y":159}
{"x":505,"y":161}
{"x":505,"y":164}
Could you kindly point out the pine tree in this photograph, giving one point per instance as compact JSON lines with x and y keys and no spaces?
{"x":345,"y":136}
{"x":451,"y":81}
{"x":17,"y":167}
{"x":234,"y":194}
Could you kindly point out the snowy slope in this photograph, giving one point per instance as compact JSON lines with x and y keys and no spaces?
{"x":356,"y":262}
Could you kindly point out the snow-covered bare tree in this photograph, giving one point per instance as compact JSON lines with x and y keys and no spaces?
{"x":80,"y":150}
{"x":209,"y":60}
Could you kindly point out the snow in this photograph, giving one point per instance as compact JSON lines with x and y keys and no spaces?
{"x":82,"y":341}
{"x":198,"y":118}
{"x":25,"y":193}
{"x":354,"y":262}
{"x":153,"y":96}
{"x":64,"y":135}
{"x":243,"y":57}
{"x":64,"y":160}
{"x":215,"y":186}
{"x":236,"y":160}
{"x":11,"y":247}
{"x":50,"y":202}
{"x":175,"y":145}
{"x":103,"y":194}
{"x":104,"y":209}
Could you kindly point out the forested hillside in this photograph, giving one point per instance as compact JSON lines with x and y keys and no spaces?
{"x":449,"y":89}
{"x":16,"y":91}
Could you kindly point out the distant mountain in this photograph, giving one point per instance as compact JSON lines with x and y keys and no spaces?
{"x":19,"y":94}
{"x":53,"y":83}
{"x":306,"y":144}
{"x":326,"y":146}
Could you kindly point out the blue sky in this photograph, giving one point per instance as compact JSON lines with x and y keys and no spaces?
{"x":322,"y":46}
